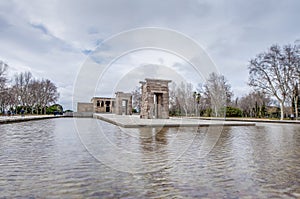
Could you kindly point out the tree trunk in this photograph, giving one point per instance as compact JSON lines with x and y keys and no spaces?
{"x":296,"y":107}
{"x":185,"y":110}
{"x":216,"y":111}
{"x":281,"y":110}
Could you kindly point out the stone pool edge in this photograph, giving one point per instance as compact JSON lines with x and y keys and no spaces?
{"x":135,"y":122}
{"x":17,"y":119}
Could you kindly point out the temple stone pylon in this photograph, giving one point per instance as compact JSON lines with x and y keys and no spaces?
{"x":155,"y":99}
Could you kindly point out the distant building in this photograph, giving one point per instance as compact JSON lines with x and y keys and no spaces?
{"x":84,"y":107}
{"x":121,"y":105}
{"x":103,"y":105}
{"x":154,"y":102}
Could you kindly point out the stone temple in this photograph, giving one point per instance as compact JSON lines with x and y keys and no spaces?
{"x":155,"y":99}
{"x":121,"y":105}
{"x":154,"y":102}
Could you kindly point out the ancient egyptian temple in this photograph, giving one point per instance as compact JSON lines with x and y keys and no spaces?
{"x":155,"y":99}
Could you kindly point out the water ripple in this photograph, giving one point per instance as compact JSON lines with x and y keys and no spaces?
{"x":46,"y":159}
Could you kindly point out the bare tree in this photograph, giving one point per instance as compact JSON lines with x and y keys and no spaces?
{"x":34,"y":101}
{"x":25,"y":92}
{"x":19,"y":87}
{"x":295,"y":99}
{"x":3,"y":78}
{"x":292,"y":61}
{"x":48,"y":93}
{"x":32,"y":93}
{"x":3,"y":81}
{"x":218,"y":94}
{"x":181,"y":99}
{"x":254,"y":104}
{"x":184,"y":94}
{"x":203,"y":101}
{"x":136,"y":98}
{"x":27,"y":95}
{"x":174,"y":105}
{"x":270,"y":72}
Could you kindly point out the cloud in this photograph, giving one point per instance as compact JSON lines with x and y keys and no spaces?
{"x":53,"y":38}
{"x":40,"y":27}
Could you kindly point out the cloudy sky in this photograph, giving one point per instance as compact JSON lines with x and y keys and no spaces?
{"x":53,"y":39}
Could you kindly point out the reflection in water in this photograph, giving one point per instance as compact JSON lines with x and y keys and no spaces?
{"x":47,"y":158}
{"x":153,"y":139}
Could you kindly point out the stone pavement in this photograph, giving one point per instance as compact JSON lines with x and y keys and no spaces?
{"x":18,"y":118}
{"x":256,"y":120}
{"x":134,"y":121}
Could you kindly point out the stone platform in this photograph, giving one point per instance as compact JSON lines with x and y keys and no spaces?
{"x":134,"y":121}
{"x":18,"y":118}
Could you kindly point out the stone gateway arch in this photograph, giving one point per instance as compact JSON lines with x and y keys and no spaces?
{"x":155,"y":99}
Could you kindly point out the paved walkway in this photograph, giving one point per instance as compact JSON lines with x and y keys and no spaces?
{"x":243,"y":119}
{"x":18,"y":118}
{"x":134,"y":121}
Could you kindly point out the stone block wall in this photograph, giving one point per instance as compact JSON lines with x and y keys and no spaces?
{"x":155,"y":99}
{"x":121,"y":100}
{"x":85,"y":107}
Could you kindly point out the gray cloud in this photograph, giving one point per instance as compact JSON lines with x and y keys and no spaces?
{"x":53,"y":38}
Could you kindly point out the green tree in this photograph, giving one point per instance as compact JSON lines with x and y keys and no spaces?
{"x":233,"y":112}
{"x":56,"y":108}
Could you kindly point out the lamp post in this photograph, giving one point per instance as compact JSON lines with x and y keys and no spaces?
{"x":198,"y":102}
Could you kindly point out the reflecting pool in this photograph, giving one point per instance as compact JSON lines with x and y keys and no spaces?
{"x":49,"y":158}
